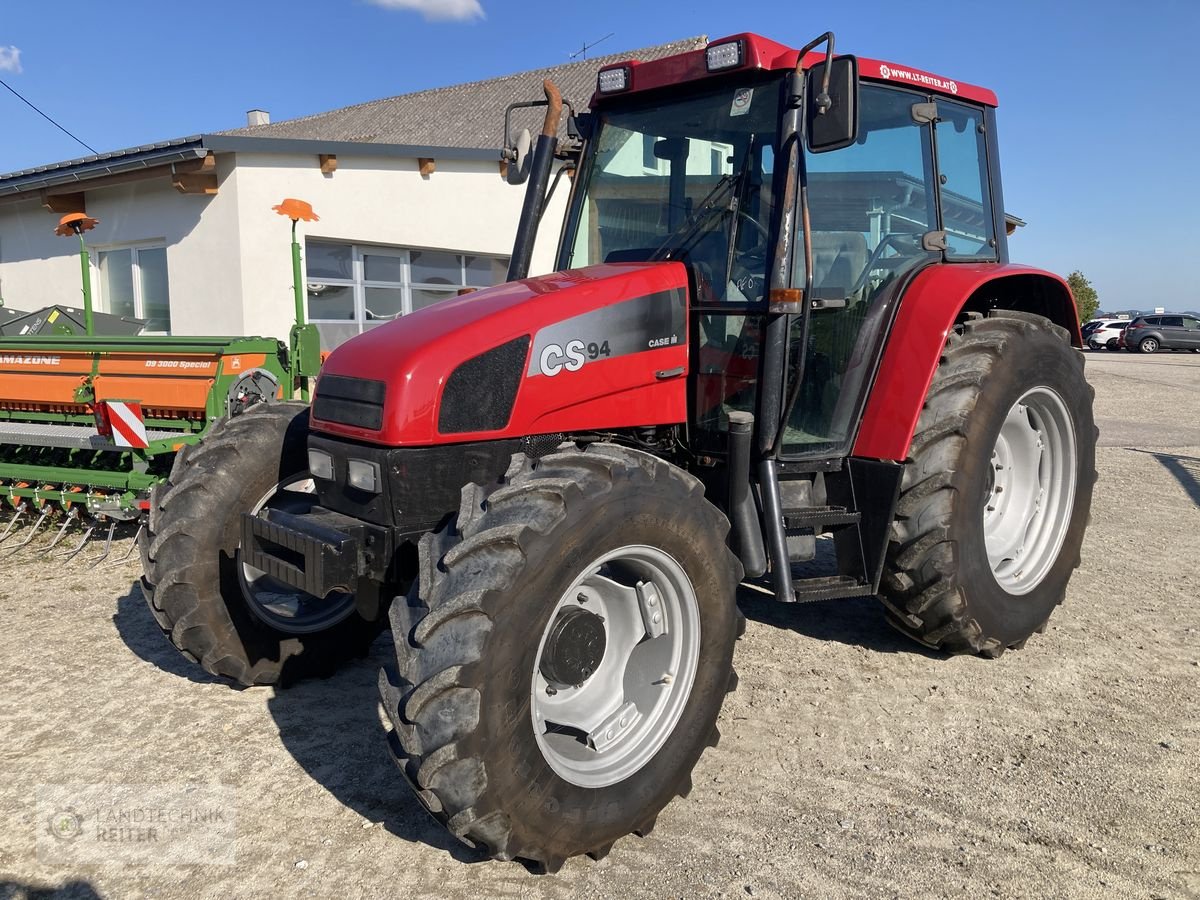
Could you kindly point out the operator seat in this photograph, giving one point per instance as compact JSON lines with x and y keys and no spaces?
{"x":839,"y":258}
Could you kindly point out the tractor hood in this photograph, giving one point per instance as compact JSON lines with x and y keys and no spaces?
{"x":591,"y":349}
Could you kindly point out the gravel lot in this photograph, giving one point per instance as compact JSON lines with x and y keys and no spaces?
{"x":853,"y":763}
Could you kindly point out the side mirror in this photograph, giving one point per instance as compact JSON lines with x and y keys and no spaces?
{"x":832,"y":118}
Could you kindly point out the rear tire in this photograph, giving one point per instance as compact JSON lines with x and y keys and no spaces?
{"x":955,"y":577}
{"x":194,"y":582}
{"x":469,"y":659}
{"x":1148,"y":345}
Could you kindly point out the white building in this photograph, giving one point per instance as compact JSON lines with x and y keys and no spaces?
{"x":409,"y":191}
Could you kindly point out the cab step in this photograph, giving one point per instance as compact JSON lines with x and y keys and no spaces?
{"x":832,"y":587}
{"x":819,"y":518}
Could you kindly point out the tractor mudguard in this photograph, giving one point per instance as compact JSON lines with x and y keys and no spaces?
{"x":596,"y":348}
{"x":928,"y":310}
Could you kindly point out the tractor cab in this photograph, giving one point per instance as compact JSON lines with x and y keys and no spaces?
{"x":706,"y":168}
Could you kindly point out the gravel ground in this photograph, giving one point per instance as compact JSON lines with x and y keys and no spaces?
{"x":853,"y":763}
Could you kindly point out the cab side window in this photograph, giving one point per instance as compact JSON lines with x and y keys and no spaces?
{"x":963,"y":176}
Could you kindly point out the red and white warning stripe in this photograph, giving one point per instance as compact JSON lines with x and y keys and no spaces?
{"x":125,"y":420}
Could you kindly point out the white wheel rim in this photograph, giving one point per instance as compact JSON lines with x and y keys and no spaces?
{"x":1031,"y":492}
{"x":605,"y":729}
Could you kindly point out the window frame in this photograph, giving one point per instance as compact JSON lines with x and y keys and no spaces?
{"x":987,"y":186}
{"x":101,"y":301}
{"x":359,"y":283}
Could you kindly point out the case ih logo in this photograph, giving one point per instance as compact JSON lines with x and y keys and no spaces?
{"x":932,"y":81}
{"x":12,"y":359}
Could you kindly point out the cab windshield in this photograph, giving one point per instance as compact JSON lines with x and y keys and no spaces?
{"x":684,"y":179}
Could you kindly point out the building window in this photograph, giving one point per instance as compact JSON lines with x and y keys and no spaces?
{"x":354,"y":287}
{"x":133,"y":283}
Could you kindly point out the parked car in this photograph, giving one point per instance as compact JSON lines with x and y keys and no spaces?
{"x":1147,"y":334}
{"x":1106,"y":334}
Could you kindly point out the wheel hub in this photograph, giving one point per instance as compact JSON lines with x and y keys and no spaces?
{"x":574,"y":647}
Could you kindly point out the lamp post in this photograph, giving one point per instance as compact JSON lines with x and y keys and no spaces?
{"x":77,"y":223}
{"x":303,"y":342}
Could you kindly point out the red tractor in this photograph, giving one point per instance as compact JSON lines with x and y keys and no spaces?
{"x":784,"y":344}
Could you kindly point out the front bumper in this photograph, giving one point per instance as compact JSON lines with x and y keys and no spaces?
{"x":317,"y":552}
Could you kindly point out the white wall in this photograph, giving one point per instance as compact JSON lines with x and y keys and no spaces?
{"x":37,"y":267}
{"x":200,"y":232}
{"x":463,"y":206}
{"x":229,"y":254}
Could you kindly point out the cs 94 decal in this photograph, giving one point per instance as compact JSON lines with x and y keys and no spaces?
{"x":572,"y":357}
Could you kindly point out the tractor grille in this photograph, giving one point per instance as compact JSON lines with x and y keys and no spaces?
{"x":350,"y":401}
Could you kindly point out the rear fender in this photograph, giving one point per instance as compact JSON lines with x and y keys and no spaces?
{"x":938,"y":298}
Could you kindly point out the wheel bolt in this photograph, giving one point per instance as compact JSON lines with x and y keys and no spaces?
{"x":551,"y":690}
{"x":582,"y":597}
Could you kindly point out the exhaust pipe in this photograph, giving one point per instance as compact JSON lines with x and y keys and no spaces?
{"x":539,"y":179}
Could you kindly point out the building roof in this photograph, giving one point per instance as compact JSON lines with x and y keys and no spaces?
{"x":144,"y":153}
{"x":461,"y":115}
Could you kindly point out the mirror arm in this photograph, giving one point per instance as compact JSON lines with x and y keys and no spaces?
{"x":824,"y":101}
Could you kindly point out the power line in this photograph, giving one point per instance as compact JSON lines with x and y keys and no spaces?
{"x":48,"y":119}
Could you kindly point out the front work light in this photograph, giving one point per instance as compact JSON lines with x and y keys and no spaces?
{"x":320,"y":464}
{"x":363,"y":475}
{"x":610,"y":81}
{"x":723,"y":56}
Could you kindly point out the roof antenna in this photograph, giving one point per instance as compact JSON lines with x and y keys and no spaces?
{"x":581,"y":53}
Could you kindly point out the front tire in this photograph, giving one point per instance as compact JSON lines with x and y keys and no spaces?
{"x":229,"y":618}
{"x":579,"y":549}
{"x":996,"y":496}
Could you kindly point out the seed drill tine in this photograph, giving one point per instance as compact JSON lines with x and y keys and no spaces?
{"x":22,"y":508}
{"x":71,"y":554}
{"x":32,"y":532}
{"x":112,"y":526}
{"x":71,"y":517}
{"x":132,"y":549}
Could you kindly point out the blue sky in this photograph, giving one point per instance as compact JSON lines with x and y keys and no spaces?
{"x":1099,"y":150}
